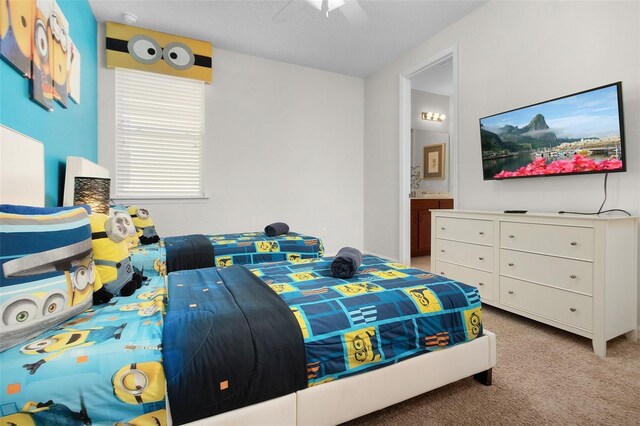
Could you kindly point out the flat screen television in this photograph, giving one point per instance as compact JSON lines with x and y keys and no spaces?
{"x":575,"y":134}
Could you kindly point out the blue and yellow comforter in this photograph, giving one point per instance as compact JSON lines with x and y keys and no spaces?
{"x":386,"y":313}
{"x":236,"y":249}
{"x":102,"y":366}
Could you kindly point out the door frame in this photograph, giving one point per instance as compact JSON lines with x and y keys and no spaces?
{"x":404,"y":234}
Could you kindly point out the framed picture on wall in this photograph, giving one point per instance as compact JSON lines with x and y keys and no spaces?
{"x":434,"y":161}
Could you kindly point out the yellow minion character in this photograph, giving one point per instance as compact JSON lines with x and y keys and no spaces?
{"x":158,"y":418}
{"x":152,"y":295}
{"x":160,"y":266}
{"x":145,"y":309}
{"x":111,"y":257}
{"x":144,"y":225}
{"x":57,"y":344}
{"x":139,"y":383}
{"x":153,"y":51}
{"x":83,"y":281}
{"x":60,"y":48}
{"x":46,"y":413}
{"x":16,"y":32}
{"x":42,"y":59}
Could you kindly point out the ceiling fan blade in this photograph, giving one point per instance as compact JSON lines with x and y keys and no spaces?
{"x":354,"y":13}
{"x":315,"y":3}
{"x":284,"y":13}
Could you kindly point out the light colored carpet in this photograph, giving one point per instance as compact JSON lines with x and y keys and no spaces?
{"x":543,"y":376}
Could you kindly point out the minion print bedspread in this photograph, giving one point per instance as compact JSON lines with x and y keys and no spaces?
{"x":102,"y":367}
{"x":386,"y":313}
{"x":236,"y":249}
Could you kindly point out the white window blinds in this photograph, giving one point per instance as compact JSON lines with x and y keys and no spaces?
{"x":159,"y":136}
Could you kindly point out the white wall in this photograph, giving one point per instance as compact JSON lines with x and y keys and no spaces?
{"x":427,"y":132}
{"x":420,"y":139}
{"x":511,"y":54}
{"x":282,"y":143}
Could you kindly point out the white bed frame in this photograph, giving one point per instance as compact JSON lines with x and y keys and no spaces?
{"x":338,"y":401}
{"x":345,"y":399}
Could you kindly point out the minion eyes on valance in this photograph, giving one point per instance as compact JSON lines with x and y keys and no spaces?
{"x":153,"y":51}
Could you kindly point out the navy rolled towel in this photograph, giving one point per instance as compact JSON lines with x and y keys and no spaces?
{"x":277,"y":228}
{"x":346,"y":262}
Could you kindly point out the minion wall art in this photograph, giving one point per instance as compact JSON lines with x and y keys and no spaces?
{"x":16,"y":33}
{"x":35,"y":40}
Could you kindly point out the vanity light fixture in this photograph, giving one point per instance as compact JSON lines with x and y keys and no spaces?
{"x":433,"y":116}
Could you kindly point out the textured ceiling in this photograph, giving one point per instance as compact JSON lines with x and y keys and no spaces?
{"x":300,"y":34}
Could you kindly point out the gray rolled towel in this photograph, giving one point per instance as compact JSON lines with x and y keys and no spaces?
{"x":277,"y":228}
{"x":346,"y":262}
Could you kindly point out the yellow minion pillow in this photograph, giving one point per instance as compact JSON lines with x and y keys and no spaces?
{"x":111,"y":257}
{"x":144,"y":225}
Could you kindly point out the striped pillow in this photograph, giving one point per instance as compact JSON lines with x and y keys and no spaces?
{"x":47,"y":272}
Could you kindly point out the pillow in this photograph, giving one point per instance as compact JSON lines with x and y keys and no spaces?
{"x":144,"y":225}
{"x":47,"y":273}
{"x":111,"y":257}
{"x":132,"y":239}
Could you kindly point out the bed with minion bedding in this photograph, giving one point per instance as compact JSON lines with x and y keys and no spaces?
{"x":177,"y":253}
{"x":238,"y":341}
{"x":223,"y":353}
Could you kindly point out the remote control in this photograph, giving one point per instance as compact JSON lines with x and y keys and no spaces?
{"x":515,"y":211}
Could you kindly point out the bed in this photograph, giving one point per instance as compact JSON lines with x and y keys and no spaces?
{"x":233,"y":249}
{"x":109,"y":359}
{"x":102,"y":366}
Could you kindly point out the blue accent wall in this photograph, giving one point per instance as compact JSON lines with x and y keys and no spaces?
{"x":64,"y":132}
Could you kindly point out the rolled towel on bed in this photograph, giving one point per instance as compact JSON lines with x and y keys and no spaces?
{"x":277,"y":228}
{"x":346,"y":262}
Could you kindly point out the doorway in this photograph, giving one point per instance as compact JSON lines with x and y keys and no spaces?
{"x":428,"y":152}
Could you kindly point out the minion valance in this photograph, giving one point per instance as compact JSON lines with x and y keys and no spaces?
{"x":153,"y":51}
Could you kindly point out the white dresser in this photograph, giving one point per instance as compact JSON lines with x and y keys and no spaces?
{"x":577,"y":273}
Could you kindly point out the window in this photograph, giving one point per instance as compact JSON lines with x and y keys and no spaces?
{"x":159,"y":136}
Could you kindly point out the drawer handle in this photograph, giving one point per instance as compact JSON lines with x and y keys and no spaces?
{"x":573,"y":276}
{"x":441,"y":250}
{"x":441,"y":273}
{"x":480,"y":283}
{"x":480,"y":233}
{"x":510,"y":292}
{"x":574,"y":243}
{"x":511,"y":236}
{"x":442,"y":228}
{"x":572,"y":309}
{"x":510,"y":264}
{"x":481,"y":258}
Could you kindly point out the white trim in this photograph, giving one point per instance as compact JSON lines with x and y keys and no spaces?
{"x":404,"y":220}
{"x":382,"y":256}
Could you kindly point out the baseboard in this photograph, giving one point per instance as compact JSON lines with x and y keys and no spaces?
{"x":382,"y":256}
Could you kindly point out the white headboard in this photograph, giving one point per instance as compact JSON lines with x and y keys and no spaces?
{"x":79,"y":166}
{"x":21,"y":169}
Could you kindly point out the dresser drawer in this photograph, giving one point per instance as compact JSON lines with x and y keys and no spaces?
{"x":471,"y":255}
{"x":559,"y":305}
{"x":482,"y":280}
{"x":575,"y":275}
{"x":567,"y":241}
{"x":475,"y":231}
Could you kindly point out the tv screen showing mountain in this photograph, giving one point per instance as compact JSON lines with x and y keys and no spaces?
{"x":579,"y":133}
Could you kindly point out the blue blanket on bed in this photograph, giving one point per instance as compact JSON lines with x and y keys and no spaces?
{"x":228,"y":341}
{"x":188,"y":252}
